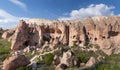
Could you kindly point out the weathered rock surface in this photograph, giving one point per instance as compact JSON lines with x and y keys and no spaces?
{"x":13,"y":62}
{"x":91,"y":62}
{"x":67,"y":60}
{"x":103,"y":31}
{"x":56,"y":60}
{"x":8,"y":34}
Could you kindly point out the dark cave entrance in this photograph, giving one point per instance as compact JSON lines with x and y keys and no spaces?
{"x":26,"y":43}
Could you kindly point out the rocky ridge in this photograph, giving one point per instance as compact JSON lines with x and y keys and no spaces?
{"x":103,"y":31}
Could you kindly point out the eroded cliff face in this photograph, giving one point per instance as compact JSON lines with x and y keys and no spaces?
{"x":103,"y":31}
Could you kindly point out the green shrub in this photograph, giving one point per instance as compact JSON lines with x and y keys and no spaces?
{"x":82,"y":57}
{"x":49,"y":58}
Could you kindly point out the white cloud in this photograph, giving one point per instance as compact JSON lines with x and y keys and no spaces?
{"x":7,"y":18}
{"x":19,"y":3}
{"x":91,"y":10}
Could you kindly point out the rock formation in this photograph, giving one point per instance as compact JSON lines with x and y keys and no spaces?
{"x":14,"y":62}
{"x":103,"y":31}
{"x":66,"y":61}
{"x":91,"y":62}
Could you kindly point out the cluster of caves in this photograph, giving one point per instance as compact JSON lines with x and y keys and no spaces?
{"x":46,"y":35}
{"x":47,"y":32}
{"x":54,"y":31}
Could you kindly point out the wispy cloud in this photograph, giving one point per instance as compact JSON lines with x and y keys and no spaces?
{"x":19,"y":3}
{"x":7,"y":19}
{"x":91,"y":10}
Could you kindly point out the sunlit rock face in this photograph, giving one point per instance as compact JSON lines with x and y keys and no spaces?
{"x":103,"y":31}
{"x":14,"y":62}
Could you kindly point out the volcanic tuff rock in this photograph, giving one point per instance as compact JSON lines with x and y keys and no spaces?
{"x":91,"y":62}
{"x":103,"y":31}
{"x":13,"y":62}
{"x":67,"y":60}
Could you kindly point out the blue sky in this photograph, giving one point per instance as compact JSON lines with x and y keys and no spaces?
{"x":13,"y":10}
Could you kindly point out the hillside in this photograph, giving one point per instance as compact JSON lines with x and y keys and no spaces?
{"x":87,"y":44}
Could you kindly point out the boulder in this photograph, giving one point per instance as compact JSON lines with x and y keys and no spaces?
{"x":56,"y":60}
{"x":14,"y":62}
{"x":61,"y":67}
{"x":91,"y":62}
{"x":67,"y":60}
{"x":8,"y":33}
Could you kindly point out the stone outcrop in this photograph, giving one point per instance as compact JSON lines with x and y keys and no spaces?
{"x":13,"y":62}
{"x":67,"y":60}
{"x":8,"y":34}
{"x":91,"y":62}
{"x":103,"y":31}
{"x":56,"y":60}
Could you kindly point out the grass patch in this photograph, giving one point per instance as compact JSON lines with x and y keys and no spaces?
{"x":4,"y":50}
{"x":4,"y":47}
{"x":4,"y":43}
{"x":111,"y":62}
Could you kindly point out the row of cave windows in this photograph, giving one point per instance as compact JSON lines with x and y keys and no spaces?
{"x":27,"y":43}
{"x":95,"y":39}
{"x":90,"y":38}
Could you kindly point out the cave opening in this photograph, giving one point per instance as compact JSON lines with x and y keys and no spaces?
{"x":80,"y":41}
{"x":59,"y":31}
{"x":103,"y":37}
{"x":95,"y":39}
{"x":26,"y":43}
{"x":36,"y":43}
{"x":113,"y":33}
